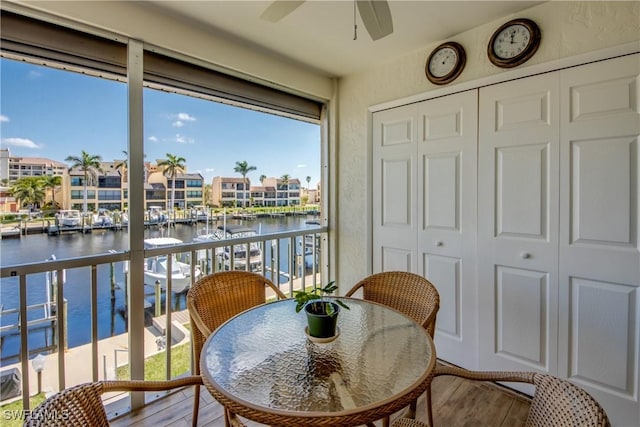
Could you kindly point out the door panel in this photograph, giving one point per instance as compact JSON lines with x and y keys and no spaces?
{"x":445,"y":271}
{"x":522,"y":329}
{"x":394,"y":198}
{"x":518,"y":224}
{"x":447,"y":168}
{"x":599,"y":334}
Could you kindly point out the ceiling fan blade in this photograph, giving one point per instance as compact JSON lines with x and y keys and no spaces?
{"x":279,"y":9}
{"x":376,"y":17}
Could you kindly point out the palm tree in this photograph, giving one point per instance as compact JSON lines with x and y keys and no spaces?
{"x":51,"y":181}
{"x":308,"y":182}
{"x":173,"y":165}
{"x":90,"y":165}
{"x":28,"y":191}
{"x":243,"y":169}
{"x":262,"y":178}
{"x":285,"y":179}
{"x":124,"y":164}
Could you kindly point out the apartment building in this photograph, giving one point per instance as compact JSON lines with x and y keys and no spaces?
{"x":13,"y":168}
{"x":288,"y":192}
{"x":231,"y":192}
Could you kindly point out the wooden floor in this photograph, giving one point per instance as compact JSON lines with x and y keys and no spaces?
{"x":456,"y":402}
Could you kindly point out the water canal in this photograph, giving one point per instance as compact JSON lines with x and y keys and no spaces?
{"x":111,"y":320}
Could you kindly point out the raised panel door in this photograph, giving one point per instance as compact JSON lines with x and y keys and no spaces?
{"x":447,"y":170}
{"x":518,"y":224}
{"x":599,"y":274}
{"x":394,"y":190}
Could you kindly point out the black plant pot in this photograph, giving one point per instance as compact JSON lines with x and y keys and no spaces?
{"x":321,"y":325}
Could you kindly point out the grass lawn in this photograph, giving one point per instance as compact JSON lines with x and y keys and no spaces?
{"x":155,"y":366}
{"x":11,"y":414}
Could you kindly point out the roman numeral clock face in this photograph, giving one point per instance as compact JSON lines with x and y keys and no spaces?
{"x":514,"y":43}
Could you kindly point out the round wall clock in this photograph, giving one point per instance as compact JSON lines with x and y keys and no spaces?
{"x":514,"y":43}
{"x":445,"y":63}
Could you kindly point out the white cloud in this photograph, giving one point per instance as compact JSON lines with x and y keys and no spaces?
{"x":209,"y":170}
{"x":152,"y":139}
{"x":177,"y":124}
{"x":20,"y":142}
{"x":33,"y":74}
{"x":301,"y":166}
{"x":3,"y":118}
{"x":185,"y":117}
{"x":181,"y":139}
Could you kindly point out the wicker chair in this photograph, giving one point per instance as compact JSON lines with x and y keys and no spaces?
{"x":81,"y":405}
{"x":408,"y":293}
{"x":555,"y":402}
{"x":213,"y":300}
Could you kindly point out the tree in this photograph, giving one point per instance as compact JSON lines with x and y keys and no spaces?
{"x":308,"y":182}
{"x":124,"y":165}
{"x":173,"y":165}
{"x":285,"y":179}
{"x":262,"y":178}
{"x":90,"y":166}
{"x":51,"y":181}
{"x":243,"y":169}
{"x":207,"y":195}
{"x":28,"y":191}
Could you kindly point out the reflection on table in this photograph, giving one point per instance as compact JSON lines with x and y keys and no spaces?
{"x":262,"y":366}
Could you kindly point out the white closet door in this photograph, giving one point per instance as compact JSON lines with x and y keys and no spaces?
{"x":394,"y":189}
{"x":518,"y":224}
{"x":447,"y":171}
{"x":599,"y":257}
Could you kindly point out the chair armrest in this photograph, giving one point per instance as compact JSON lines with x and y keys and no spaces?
{"x":523,"y":377}
{"x":142,"y":385}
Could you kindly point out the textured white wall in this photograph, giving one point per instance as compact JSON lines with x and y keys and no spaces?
{"x":568,"y":29}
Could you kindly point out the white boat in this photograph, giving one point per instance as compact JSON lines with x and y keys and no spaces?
{"x":69,"y":218}
{"x":9,"y":232}
{"x":155,"y":215}
{"x":200,"y":213}
{"x":240,"y":250}
{"x":102,"y":218}
{"x":155,"y":268}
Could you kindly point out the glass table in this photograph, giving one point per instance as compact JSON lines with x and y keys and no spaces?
{"x":261,"y":365}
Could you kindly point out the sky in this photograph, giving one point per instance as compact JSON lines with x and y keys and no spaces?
{"x":50,"y":113}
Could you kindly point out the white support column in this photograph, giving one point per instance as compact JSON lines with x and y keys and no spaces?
{"x":136,"y":218}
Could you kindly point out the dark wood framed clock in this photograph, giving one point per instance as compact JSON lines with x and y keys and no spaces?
{"x":445,"y":63}
{"x":514,"y":43}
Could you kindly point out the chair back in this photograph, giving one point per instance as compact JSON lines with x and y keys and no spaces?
{"x":215,"y":298}
{"x":406,"y":292}
{"x":557,"y":402}
{"x":80,"y":405}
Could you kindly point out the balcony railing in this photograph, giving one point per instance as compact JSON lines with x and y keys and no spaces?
{"x":291,"y":259}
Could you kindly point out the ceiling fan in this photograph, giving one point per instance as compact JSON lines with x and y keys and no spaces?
{"x":375,"y":15}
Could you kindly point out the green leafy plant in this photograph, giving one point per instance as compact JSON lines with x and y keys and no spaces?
{"x":303,"y":297}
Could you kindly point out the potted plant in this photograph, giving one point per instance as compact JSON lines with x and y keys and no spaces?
{"x":322,"y":314}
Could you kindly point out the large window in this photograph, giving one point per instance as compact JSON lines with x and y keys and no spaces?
{"x":198,"y":124}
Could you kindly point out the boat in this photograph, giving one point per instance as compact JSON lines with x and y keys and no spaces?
{"x":9,"y":232}
{"x":102,"y":218}
{"x":155,"y":268}
{"x":69,"y":218}
{"x":200,"y":213}
{"x":156,"y":216}
{"x":240,"y":250}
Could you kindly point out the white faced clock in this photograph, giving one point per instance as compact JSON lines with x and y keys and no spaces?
{"x":445,"y":63}
{"x":514,"y":43}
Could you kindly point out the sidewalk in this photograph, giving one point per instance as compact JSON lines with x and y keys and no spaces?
{"x":115,"y":350}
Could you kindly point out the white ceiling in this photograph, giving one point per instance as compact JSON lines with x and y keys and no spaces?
{"x":319,"y":34}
